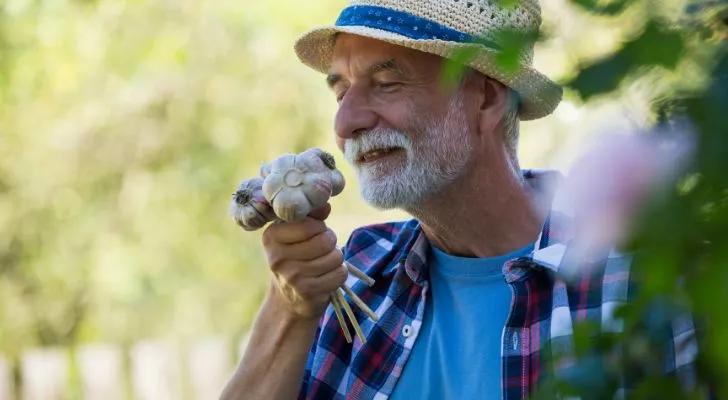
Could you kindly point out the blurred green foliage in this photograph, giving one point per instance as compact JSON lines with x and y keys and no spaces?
{"x":680,"y":240}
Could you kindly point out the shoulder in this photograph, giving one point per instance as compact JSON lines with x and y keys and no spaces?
{"x":386,"y":235}
{"x":378,"y":247}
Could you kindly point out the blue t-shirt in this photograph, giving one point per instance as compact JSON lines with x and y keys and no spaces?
{"x":457,"y":354}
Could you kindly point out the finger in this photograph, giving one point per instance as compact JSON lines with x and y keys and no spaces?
{"x":294,"y":271}
{"x":293,"y":232}
{"x":322,"y":285}
{"x":321,"y":213}
{"x":307,"y":250}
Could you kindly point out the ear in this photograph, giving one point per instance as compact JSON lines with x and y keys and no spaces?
{"x":493,"y":105}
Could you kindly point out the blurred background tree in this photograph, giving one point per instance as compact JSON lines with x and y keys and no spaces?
{"x":126,"y":125}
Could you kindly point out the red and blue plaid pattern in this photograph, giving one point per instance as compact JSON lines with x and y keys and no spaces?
{"x":545,"y":307}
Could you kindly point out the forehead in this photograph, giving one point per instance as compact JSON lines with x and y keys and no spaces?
{"x":353,"y":53}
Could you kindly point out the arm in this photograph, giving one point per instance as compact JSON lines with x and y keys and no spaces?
{"x":275,"y":358}
{"x":307,"y":268}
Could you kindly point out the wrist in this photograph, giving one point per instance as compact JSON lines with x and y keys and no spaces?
{"x":280,"y":307}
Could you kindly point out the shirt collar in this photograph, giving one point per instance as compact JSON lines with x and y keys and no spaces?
{"x":550,"y":244}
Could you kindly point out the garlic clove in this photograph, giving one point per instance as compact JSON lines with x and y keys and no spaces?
{"x":312,"y":159}
{"x":265,"y":169}
{"x":337,"y":182}
{"x":262,"y":206}
{"x":291,"y":205}
{"x":283,"y":162}
{"x":272,"y":184}
{"x":249,"y":218}
{"x":317,"y":188}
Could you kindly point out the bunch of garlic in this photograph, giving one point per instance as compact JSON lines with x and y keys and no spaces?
{"x":288,"y":189}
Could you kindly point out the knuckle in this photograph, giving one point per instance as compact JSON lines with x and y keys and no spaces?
{"x":313,"y":226}
{"x":324,"y":243}
{"x":331,"y":237}
{"x":337,"y":258}
{"x":340,"y":275}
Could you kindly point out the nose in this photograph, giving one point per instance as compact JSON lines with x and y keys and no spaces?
{"x":355,"y":115}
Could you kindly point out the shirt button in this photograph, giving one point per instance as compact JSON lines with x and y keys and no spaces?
{"x":407,"y":331}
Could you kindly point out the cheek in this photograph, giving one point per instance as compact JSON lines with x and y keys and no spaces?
{"x":403,"y":116}
{"x":396,"y":115}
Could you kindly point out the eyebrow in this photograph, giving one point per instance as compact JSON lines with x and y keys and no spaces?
{"x":388,"y":65}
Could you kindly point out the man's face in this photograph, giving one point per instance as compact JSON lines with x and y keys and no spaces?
{"x":405,"y":135}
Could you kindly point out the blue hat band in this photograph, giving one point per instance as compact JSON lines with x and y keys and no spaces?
{"x":399,"y":22}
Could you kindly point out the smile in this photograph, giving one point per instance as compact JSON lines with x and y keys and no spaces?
{"x":376,"y":154}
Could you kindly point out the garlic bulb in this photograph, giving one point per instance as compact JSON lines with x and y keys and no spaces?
{"x":249,"y":207}
{"x":296,"y":184}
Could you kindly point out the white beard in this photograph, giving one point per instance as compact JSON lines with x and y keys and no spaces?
{"x":440,"y":156}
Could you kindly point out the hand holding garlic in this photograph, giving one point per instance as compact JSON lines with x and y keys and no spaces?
{"x":289,"y":189}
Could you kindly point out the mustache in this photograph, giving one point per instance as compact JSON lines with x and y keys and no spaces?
{"x":375,"y":139}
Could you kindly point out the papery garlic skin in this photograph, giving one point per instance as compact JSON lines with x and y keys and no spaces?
{"x":337,"y":178}
{"x":297,"y":184}
{"x":337,"y":182}
{"x":317,"y":189}
{"x":265,"y":170}
{"x":249,"y":207}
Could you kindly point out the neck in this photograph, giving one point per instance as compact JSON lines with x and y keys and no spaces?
{"x":485,"y":214}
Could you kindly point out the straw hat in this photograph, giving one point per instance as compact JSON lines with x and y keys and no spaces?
{"x":441,"y":27}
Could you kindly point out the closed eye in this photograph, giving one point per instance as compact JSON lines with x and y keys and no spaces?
{"x":388,"y":86}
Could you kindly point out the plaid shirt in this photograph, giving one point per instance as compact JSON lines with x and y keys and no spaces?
{"x":545,"y":306}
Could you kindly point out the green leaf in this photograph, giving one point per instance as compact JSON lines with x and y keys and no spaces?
{"x":505,"y":46}
{"x":508,"y":3}
{"x":456,"y":65}
{"x":602,"y":7}
{"x":654,"y":47}
{"x":513,"y":43}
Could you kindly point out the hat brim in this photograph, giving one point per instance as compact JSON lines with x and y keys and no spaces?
{"x":538,"y":94}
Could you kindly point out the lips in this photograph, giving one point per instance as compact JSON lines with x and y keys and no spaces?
{"x":376,"y":154}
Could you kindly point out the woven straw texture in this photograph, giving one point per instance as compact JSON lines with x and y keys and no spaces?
{"x":478,"y":18}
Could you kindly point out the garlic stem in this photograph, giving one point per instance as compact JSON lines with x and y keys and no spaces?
{"x":359,"y":274}
{"x":358,"y":301}
{"x":340,"y":317}
{"x":350,"y":314}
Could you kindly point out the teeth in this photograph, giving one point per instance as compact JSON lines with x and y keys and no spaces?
{"x":373,"y":154}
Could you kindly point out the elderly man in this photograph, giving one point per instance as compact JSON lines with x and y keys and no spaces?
{"x":468,"y":293}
